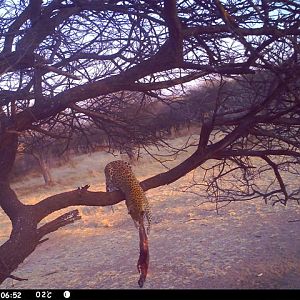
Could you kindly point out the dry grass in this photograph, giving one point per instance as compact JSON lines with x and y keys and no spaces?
{"x":248,"y":245}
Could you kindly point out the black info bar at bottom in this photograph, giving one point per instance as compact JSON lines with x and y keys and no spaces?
{"x":90,"y":294}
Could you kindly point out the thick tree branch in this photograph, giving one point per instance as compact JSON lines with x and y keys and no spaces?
{"x":8,"y":149}
{"x":224,"y":69}
{"x":14,"y":61}
{"x":65,"y":219}
{"x":143,"y":87}
{"x":255,"y":153}
{"x":159,"y":62}
{"x":175,"y":29}
{"x":13,"y":30}
{"x":76,"y":197}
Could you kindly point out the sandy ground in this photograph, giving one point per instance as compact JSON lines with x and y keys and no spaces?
{"x":247,"y":245}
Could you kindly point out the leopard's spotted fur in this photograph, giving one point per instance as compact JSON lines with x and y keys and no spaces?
{"x":119,"y":176}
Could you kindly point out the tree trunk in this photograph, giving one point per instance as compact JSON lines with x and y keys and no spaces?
{"x":21,"y":217}
{"x":46,"y":172}
{"x":8,"y":149}
{"x":44,"y":167}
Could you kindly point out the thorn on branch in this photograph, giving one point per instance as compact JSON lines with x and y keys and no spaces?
{"x":84,"y":188}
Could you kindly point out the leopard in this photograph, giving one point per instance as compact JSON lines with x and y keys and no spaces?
{"x":120,"y":176}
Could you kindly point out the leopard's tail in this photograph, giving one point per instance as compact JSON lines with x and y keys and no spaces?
{"x":143,"y":262}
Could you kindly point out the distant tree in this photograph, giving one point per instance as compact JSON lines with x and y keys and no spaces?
{"x":39,"y":148}
{"x":62,"y":60}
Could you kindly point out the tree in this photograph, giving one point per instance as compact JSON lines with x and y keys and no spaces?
{"x":270,"y":146}
{"x":60,"y":61}
{"x":39,"y":147}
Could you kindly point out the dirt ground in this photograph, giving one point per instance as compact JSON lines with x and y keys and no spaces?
{"x":247,"y":245}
